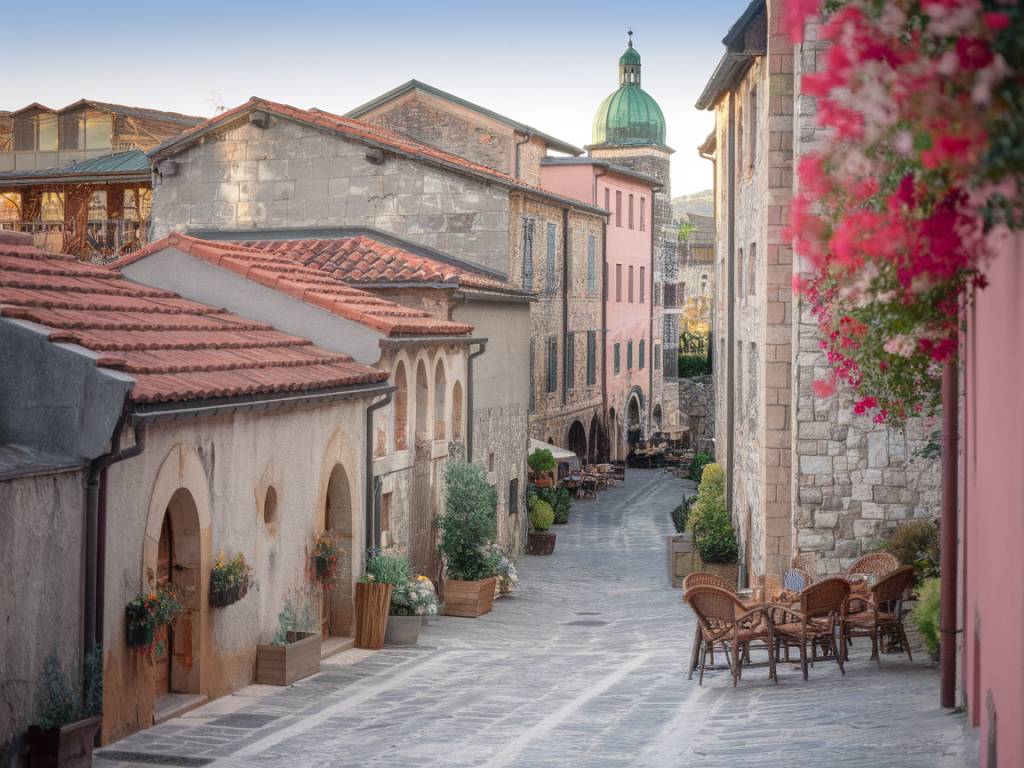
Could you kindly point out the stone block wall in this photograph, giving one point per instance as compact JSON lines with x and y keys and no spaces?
{"x":697,"y":408}
{"x":291,"y":175}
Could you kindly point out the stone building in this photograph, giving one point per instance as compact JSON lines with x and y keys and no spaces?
{"x":229,"y":436}
{"x":629,"y":130}
{"x":445,"y":121}
{"x":695,"y":291}
{"x":806,"y":480}
{"x":271,"y":166}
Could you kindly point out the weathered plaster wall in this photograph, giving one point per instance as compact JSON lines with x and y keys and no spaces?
{"x":290,"y":175}
{"x":41,"y":549}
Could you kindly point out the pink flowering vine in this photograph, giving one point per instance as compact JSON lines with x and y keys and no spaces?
{"x":894,"y":206}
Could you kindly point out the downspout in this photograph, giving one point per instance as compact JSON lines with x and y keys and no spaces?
{"x":373,"y":533}
{"x":94,"y":523}
{"x":650,"y":333}
{"x":469,"y":399}
{"x":526,"y":140}
{"x":565,"y":304}
{"x":948,"y":548}
{"x":730,"y":313}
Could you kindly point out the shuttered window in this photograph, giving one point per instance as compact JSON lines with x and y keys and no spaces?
{"x":617,"y":357}
{"x":549,"y":272}
{"x":640,"y":354}
{"x":528,"y":254}
{"x":552,"y":363}
{"x":570,"y":360}
{"x":629,"y":355}
{"x":591,"y":264}
{"x":591,"y":357}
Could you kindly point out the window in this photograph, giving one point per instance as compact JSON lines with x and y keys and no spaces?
{"x":591,"y":358}
{"x":618,"y":208}
{"x":528,"y":254}
{"x":630,"y":293}
{"x":591,"y":264}
{"x":631,"y":212}
{"x":35,"y":132}
{"x":570,"y":360}
{"x":629,"y":355}
{"x":752,"y":118}
{"x":657,"y":357}
{"x":86,"y":129}
{"x":98,"y":205}
{"x":607,"y":199}
{"x":552,"y":363}
{"x":24,"y":134}
{"x":533,"y":388}
{"x":385,"y":512}
{"x":513,"y":496}
{"x":270,"y":509}
{"x":640,"y":354}
{"x":643,"y":213}
{"x":618,"y":282}
{"x":10,"y":206}
{"x":751,"y":271}
{"x":549,"y":266}
{"x":617,"y":357}
{"x":52,"y":206}
{"x":643,"y":283}
{"x":703,"y":284}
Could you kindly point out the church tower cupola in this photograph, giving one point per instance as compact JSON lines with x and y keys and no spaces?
{"x":629,"y":116}
{"x":629,"y":65}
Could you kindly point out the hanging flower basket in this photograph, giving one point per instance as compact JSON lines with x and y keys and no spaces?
{"x":229,"y":580}
{"x":146,"y":614}
{"x":326,"y":553}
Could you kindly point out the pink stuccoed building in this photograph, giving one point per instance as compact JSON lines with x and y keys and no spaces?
{"x":991,"y":615}
{"x":630,"y":359}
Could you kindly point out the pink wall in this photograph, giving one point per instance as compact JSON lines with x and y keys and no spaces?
{"x":992,"y":508}
{"x":627,"y":248}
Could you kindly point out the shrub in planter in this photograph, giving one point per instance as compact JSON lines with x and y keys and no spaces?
{"x":504,"y":569}
{"x":926,"y":615}
{"x":542,"y":464}
{"x":468,"y":526}
{"x":147,"y":613}
{"x":539,"y":541}
{"x":294,"y":653}
{"x":560,"y":501}
{"x":916,"y":543}
{"x":384,"y":571}
{"x":681,"y":514}
{"x":69,"y":714}
{"x":710,"y":521}
{"x":700,"y":461}
{"x":229,"y":580}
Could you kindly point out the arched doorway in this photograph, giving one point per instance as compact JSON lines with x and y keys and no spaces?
{"x":178,"y":567}
{"x":656,"y":415}
{"x":440,"y":391}
{"x":613,"y":435}
{"x":592,"y":443}
{"x":577,"y":440}
{"x":338,"y":605}
{"x":633,"y":432}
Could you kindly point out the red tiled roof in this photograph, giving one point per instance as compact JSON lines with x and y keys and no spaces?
{"x":367,"y":133}
{"x":361,"y":259}
{"x":310,"y":285}
{"x":174,"y":349}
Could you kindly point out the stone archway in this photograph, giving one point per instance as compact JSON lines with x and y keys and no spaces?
{"x":440,"y":409}
{"x":613,"y":435}
{"x":577,"y":440}
{"x":595,"y":428}
{"x":338,"y":614}
{"x":633,"y":425}
{"x":423,"y":426}
{"x":656,"y":417}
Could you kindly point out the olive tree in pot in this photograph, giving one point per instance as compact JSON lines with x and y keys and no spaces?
{"x":540,"y":541}
{"x":712,"y":527}
{"x":468,"y":526}
{"x":542,"y":464}
{"x":70,"y":715}
{"x":384,"y":572}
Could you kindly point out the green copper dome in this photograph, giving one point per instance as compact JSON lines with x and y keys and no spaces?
{"x":630,"y":115}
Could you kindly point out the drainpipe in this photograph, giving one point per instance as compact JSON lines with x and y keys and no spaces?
{"x":373,"y":534}
{"x":526,"y":140}
{"x":730,"y":312}
{"x":94,"y":523}
{"x":650,"y":333}
{"x":605,"y":296}
{"x":565,"y":303}
{"x":469,"y":398}
{"x":948,"y":548}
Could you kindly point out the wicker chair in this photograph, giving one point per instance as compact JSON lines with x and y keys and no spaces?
{"x":796,"y":579}
{"x":818,"y":621}
{"x":723,"y":620}
{"x":703,"y":579}
{"x":877,"y":564}
{"x":884,"y":613}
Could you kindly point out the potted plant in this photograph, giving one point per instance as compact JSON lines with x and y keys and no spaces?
{"x":542,"y":464}
{"x":294,"y":653}
{"x":540,"y":541}
{"x":383,"y":573}
{"x":468,"y":525}
{"x":326,"y":553}
{"x":712,"y":529}
{"x":69,"y":715}
{"x":229,"y":580}
{"x":148,"y":614}
{"x":560,"y":501}
{"x":505,"y":573}
{"x":410,"y":602}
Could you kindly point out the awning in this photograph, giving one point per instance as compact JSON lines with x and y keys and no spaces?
{"x":562,"y":456}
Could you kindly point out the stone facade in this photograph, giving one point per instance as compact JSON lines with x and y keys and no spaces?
{"x":809,"y":480}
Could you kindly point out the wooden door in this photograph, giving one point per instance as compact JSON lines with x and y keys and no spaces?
{"x":164,"y":637}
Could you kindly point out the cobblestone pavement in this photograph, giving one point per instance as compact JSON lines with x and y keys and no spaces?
{"x":583,"y":666}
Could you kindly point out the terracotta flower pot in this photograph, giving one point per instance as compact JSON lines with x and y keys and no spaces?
{"x":67,"y":747}
{"x":540,"y":543}
{"x":373,"y":600}
{"x":468,"y":598}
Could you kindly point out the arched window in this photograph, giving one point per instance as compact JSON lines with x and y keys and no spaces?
{"x":440,"y":393}
{"x":401,"y":408}
{"x":457,"y":411}
{"x":422,"y":403}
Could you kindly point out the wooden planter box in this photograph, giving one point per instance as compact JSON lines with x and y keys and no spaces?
{"x":373,"y":602}
{"x":299,"y":657}
{"x":468,"y":598}
{"x":682,"y":558}
{"x":67,"y":747}
{"x":540,"y":543}
{"x":403,"y":630}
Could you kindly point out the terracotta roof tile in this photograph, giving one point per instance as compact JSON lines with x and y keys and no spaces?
{"x":361,"y":259}
{"x":308,"y":284}
{"x":175,"y":349}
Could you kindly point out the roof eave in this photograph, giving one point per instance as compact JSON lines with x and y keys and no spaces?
{"x":111,"y":178}
{"x":731,"y":67}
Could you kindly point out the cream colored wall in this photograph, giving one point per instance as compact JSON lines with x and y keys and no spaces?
{"x":226,"y":463}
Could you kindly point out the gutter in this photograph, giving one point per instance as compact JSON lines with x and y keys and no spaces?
{"x":948,"y":550}
{"x":650,"y":336}
{"x":469,"y":397}
{"x":373,"y":532}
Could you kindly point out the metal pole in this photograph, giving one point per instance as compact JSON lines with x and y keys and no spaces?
{"x":949,"y":551}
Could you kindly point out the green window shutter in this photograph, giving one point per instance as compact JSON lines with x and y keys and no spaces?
{"x":617,"y":357}
{"x":629,"y":355}
{"x":552,"y":363}
{"x":552,"y":249}
{"x":640,"y":354}
{"x":528,"y":254}
{"x":591,"y":264}
{"x":570,"y":360}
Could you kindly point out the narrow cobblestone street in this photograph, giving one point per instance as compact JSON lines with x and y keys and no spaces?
{"x":585,"y":665}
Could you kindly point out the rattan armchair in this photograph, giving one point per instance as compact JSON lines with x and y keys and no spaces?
{"x":877,"y":564}
{"x":884,"y":613}
{"x":818,"y":621}
{"x":703,"y":579}
{"x":723,"y":620}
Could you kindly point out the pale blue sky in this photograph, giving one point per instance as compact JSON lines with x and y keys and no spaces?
{"x":545,"y":64}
